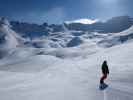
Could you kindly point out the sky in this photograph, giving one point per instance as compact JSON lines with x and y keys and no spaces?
{"x":57,"y":11}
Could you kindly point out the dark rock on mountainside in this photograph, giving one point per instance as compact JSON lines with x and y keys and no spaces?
{"x":35,"y":30}
{"x":30,"y":30}
{"x":74,"y":42}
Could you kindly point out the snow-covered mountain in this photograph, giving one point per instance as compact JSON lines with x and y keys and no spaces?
{"x":116,"y":24}
{"x":9,"y":39}
{"x":8,"y":36}
{"x":57,"y":39}
{"x":58,"y":62}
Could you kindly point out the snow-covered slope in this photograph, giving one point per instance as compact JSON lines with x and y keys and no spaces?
{"x":8,"y":36}
{"x":117,"y":38}
{"x":46,"y":77}
{"x":126,"y":32}
{"x":65,"y":65}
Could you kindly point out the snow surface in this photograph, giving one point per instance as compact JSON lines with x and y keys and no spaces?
{"x":45,"y":77}
{"x":10,"y":39}
{"x":61,"y":73}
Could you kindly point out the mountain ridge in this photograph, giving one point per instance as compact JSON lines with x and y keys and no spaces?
{"x":56,"y":40}
{"x":116,"y":24}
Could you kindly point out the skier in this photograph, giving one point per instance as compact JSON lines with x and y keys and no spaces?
{"x":105,"y":72}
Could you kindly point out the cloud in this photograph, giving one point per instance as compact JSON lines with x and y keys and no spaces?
{"x":84,"y":21}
